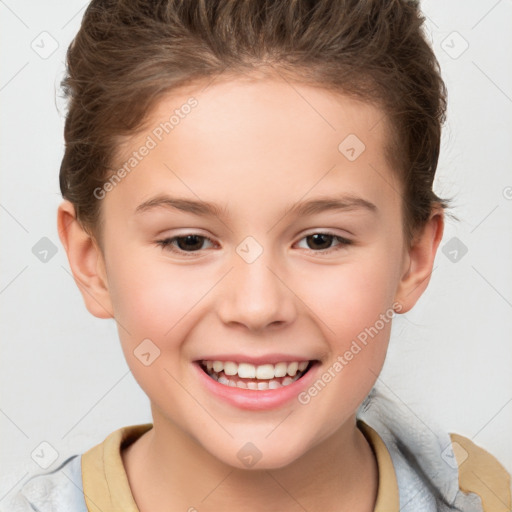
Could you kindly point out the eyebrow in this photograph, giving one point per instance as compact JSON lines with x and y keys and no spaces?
{"x":304,"y":208}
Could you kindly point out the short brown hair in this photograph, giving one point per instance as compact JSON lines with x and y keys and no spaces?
{"x":128,"y":53}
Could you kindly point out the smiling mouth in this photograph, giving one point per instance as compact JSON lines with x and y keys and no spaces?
{"x":257,"y":378}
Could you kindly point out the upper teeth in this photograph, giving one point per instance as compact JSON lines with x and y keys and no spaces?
{"x":262,"y":371}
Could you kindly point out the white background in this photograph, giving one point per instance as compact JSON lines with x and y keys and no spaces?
{"x":63,"y":377}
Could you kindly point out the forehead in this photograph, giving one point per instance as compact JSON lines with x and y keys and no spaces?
{"x":267,"y":107}
{"x":266,"y":140}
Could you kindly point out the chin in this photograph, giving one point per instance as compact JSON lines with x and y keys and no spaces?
{"x":248,"y":456}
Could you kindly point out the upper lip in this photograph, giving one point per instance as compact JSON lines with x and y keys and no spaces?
{"x":259,"y":360}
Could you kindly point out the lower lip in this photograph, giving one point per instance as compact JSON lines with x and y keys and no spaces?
{"x":252,"y":399}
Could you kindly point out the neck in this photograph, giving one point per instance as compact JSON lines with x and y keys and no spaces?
{"x":166,"y":467}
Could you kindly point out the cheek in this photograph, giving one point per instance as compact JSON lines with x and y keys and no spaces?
{"x":152,"y":300}
{"x":349,"y":298}
{"x":154,"y":305}
{"x":356,"y":313}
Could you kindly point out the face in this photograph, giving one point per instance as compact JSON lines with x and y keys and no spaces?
{"x":298,"y":260}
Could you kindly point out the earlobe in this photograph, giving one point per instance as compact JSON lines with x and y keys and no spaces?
{"x":86,"y":262}
{"x":420,"y":261}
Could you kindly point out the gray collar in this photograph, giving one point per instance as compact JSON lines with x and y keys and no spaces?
{"x":422,"y":454}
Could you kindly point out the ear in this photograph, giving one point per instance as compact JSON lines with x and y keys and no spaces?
{"x":419,"y":261}
{"x":86,"y":262}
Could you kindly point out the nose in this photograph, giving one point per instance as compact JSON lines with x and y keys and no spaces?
{"x":255,"y":296}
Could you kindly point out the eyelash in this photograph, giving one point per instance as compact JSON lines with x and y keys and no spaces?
{"x":167,"y":243}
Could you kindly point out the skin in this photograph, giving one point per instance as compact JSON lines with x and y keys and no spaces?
{"x":255,"y":148}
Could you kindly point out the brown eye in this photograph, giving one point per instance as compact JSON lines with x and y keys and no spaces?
{"x":184,"y":244}
{"x":190,"y":242}
{"x":322,"y":242}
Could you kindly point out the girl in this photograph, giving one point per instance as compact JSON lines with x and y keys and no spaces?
{"x":248,"y":193}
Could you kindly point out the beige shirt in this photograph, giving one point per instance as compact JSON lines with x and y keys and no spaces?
{"x":106,"y":487}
